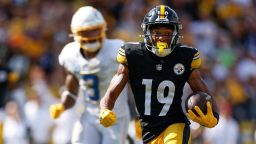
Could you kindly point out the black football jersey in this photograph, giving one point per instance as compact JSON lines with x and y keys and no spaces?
{"x":157,"y":84}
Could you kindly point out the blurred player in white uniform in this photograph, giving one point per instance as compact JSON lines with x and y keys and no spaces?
{"x":90,"y":62}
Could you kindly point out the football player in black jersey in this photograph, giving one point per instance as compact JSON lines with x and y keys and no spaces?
{"x":157,"y":70}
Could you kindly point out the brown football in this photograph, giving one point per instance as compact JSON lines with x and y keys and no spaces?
{"x":197,"y":99}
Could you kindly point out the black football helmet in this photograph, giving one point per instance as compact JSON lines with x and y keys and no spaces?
{"x":161,"y":15}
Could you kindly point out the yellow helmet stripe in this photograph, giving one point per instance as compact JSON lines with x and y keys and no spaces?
{"x":162,"y":10}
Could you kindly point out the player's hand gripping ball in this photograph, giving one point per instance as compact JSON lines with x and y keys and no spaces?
{"x":197,"y":99}
{"x":199,"y":109}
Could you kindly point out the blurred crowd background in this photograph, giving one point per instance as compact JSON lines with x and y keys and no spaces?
{"x":33,"y":32}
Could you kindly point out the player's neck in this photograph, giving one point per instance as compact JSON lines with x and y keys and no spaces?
{"x":88,"y":55}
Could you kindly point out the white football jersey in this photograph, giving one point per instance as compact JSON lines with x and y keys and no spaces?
{"x":94,"y":75}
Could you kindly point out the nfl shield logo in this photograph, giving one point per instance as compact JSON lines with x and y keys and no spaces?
{"x":159,"y":67}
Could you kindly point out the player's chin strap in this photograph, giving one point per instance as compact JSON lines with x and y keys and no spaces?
{"x":66,"y":94}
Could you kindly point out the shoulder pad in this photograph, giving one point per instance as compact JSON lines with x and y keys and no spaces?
{"x":189,"y":47}
{"x":196,"y":62}
{"x":68,"y":55}
{"x":126,"y":50}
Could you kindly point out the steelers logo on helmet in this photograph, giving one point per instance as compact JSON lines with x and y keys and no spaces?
{"x":88,"y":28}
{"x":179,"y":69}
{"x":161,"y":16}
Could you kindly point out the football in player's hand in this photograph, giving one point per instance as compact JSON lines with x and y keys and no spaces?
{"x":197,"y":99}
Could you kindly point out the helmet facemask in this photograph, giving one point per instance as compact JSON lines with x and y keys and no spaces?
{"x":90,"y":39}
{"x":161,"y":48}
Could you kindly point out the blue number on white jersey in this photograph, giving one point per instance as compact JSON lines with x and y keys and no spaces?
{"x":92,"y":86}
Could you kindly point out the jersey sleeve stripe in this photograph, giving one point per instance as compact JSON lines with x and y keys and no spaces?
{"x":121,"y":53}
{"x":196,"y":56}
{"x":121,"y":49}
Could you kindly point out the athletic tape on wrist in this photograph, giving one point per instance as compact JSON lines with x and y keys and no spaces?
{"x":67,"y":93}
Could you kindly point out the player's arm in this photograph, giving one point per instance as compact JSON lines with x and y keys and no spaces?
{"x":117,"y":84}
{"x":71,"y":92}
{"x":195,"y":79}
{"x":197,"y":84}
{"x":69,"y":96}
